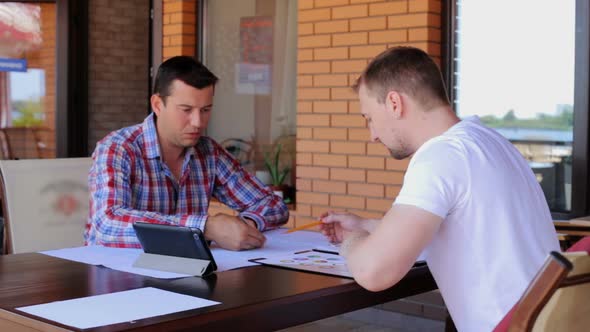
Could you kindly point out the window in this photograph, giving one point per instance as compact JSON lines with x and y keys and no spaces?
{"x":43,"y":79}
{"x":251,"y":46}
{"x":522,"y":67}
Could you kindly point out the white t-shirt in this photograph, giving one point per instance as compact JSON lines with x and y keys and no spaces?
{"x":497,"y":229}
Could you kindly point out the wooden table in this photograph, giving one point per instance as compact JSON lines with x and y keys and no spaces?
{"x":253,"y":299}
{"x":568,"y":228}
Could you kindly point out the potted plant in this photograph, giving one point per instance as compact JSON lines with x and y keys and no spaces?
{"x":277,"y":174}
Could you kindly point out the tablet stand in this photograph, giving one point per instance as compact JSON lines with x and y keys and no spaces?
{"x":192,"y":266}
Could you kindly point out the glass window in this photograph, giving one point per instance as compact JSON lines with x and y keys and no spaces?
{"x":27,"y":80}
{"x":251,"y":46}
{"x":514,"y":67}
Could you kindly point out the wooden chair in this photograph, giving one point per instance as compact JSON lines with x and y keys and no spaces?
{"x":45,"y":203}
{"x":558,"y":298}
{"x":24,"y":142}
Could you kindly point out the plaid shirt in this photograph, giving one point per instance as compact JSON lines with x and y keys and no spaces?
{"x":128,"y":182}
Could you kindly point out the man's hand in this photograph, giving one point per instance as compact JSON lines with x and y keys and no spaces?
{"x":232,"y":233}
{"x":337,"y":225}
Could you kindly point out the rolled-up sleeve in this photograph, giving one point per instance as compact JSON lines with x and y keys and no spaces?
{"x":244,"y":193}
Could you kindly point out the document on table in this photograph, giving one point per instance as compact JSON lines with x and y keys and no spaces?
{"x":122,"y":259}
{"x":114,"y":308}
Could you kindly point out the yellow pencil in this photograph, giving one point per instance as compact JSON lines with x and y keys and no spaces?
{"x":310,"y":225}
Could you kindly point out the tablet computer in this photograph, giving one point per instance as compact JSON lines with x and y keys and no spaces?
{"x":171,"y":240}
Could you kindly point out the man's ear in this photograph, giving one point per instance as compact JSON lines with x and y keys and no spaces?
{"x":157,"y":104}
{"x":393,"y":103}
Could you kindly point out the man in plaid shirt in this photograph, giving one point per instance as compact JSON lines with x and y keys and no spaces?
{"x":163,"y":171}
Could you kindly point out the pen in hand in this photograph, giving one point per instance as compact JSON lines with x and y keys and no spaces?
{"x":306,"y":226}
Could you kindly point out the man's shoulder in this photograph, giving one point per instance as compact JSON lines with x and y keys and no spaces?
{"x":207,"y":144}
{"x":127,"y":138}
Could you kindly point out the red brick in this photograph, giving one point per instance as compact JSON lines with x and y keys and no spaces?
{"x":312,"y":15}
{"x":343,"y":93}
{"x":330,"y":3}
{"x":347,"y":174}
{"x":414,"y":20}
{"x":366,"y":162}
{"x":391,"y":191}
{"x":331,"y":160}
{"x":304,"y":81}
{"x":375,"y":204}
{"x":348,"y":66}
{"x":368,"y":23}
{"x":304,"y":107}
{"x":432,"y":6}
{"x":330,"y":80}
{"x":314,"y":67}
{"x":331,"y":53}
{"x":313,"y":120}
{"x":352,"y":38}
{"x":314,"y":41}
{"x":305,"y":4}
{"x":359,"y":134}
{"x":329,"y":133}
{"x":312,"y":172}
{"x":388,"y":8}
{"x":350,"y":11}
{"x":347,"y":202}
{"x":385,"y":177}
{"x":388,"y":36}
{"x":330,"y":107}
{"x":366,"y":190}
{"x":347,"y":121}
{"x":377,"y":149}
{"x":305,"y":159}
{"x":303,"y":133}
{"x":313,"y":146}
{"x":313,"y":93}
{"x":305,"y":55}
{"x":331,"y":26}
{"x":305,"y":29}
{"x":303,"y":185}
{"x":348,"y":148}
{"x":364,"y":52}
{"x":312,"y":198}
{"x":334,"y":187}
{"x":397,"y":165}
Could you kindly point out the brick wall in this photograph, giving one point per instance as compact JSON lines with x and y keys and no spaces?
{"x":118,"y":65}
{"x":178,"y":28}
{"x":337,"y":166}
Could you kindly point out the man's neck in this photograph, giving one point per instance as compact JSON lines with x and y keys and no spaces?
{"x":433,"y":123}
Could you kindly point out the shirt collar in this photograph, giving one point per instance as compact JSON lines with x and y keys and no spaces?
{"x":151,"y":143}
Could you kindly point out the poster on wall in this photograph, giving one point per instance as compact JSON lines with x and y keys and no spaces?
{"x":253,"y":72}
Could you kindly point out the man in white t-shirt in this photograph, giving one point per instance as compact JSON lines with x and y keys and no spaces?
{"x":469,"y":200}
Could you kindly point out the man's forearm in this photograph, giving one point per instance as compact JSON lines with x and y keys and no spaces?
{"x":369,"y":225}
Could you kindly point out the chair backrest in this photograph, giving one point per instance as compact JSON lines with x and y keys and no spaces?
{"x":45,"y":203}
{"x":558,"y":298}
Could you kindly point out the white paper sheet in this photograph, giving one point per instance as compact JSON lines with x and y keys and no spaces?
{"x":113,"y":308}
{"x":122,"y":259}
{"x":277,"y":242}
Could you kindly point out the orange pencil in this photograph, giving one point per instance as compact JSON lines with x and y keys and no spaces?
{"x":310,"y":225}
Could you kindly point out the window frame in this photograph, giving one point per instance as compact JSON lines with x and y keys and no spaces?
{"x":580,"y":154}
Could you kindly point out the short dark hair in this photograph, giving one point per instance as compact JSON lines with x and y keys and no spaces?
{"x":183,"y":68}
{"x":408,"y":70}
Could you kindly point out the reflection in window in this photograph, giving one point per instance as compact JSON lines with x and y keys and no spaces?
{"x":27,"y":93}
{"x":518,"y":77}
{"x":252,"y":49}
{"x":27,"y":80}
